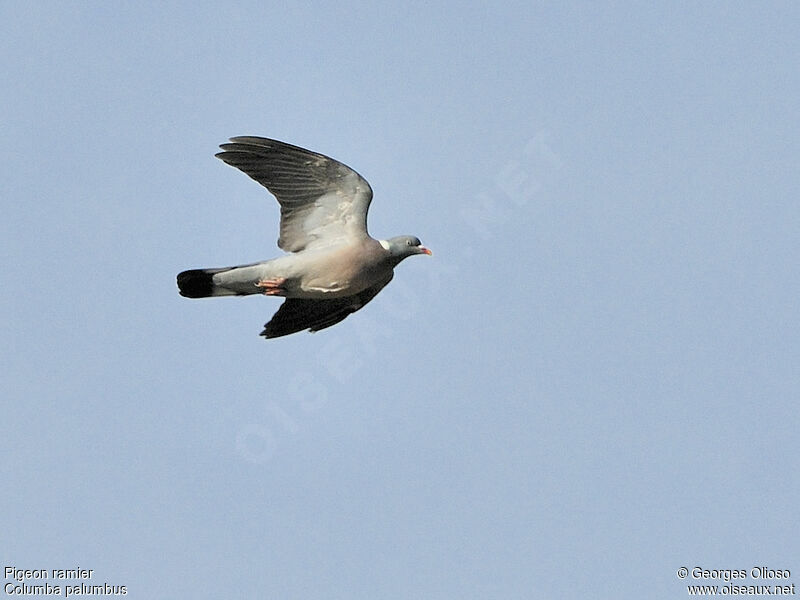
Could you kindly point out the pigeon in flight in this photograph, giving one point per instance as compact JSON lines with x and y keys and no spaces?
{"x":333,"y":267}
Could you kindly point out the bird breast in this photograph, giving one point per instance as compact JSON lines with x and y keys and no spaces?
{"x":344,"y":271}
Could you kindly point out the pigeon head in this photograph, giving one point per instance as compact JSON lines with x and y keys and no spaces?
{"x":403,"y":246}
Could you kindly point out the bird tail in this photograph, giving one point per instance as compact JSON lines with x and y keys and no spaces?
{"x":199,"y":283}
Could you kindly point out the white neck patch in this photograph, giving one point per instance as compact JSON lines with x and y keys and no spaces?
{"x":384,"y":243}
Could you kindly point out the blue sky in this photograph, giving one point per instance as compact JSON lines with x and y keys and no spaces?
{"x":592,"y":383}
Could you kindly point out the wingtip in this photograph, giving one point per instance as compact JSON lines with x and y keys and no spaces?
{"x":271,"y":334}
{"x":237,"y":139}
{"x":255,"y":140}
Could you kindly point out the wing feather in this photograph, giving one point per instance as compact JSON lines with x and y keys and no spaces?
{"x":322,"y":200}
{"x":297,"y":314}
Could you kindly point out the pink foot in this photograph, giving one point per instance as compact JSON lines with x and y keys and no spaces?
{"x":272,"y":287}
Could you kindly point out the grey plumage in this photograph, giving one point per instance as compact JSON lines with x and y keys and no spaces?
{"x":333,"y":267}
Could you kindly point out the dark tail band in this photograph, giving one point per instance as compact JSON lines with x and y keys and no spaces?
{"x":196,"y":283}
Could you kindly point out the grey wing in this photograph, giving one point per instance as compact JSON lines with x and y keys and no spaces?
{"x":322,"y":200}
{"x":297,"y":314}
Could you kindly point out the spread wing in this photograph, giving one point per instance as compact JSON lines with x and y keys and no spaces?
{"x":297,"y":314}
{"x":322,"y":200}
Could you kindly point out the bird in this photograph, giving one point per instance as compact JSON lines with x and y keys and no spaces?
{"x":331,"y":267}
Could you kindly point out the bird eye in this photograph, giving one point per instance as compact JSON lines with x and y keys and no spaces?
{"x":408,"y":242}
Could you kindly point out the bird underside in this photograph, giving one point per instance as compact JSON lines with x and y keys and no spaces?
{"x":297,"y":314}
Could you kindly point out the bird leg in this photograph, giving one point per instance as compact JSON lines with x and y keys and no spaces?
{"x":272,"y":287}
